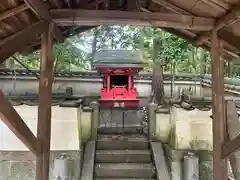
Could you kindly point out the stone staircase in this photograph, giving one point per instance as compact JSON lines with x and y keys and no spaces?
{"x":123,"y":157}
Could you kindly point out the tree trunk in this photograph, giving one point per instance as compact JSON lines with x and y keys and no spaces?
{"x":94,"y":45}
{"x":203,"y":69}
{"x":157,"y":78}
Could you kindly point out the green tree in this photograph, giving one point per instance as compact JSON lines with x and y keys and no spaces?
{"x":76,"y":53}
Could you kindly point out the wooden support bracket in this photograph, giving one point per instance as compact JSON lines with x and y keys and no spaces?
{"x":15,"y":123}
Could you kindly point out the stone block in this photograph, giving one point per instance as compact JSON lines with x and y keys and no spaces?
{"x":22,"y":170}
{"x":163,"y":127}
{"x":64,"y":130}
{"x":191,"y":130}
{"x":84,"y":125}
{"x":178,"y":155}
{"x":5,"y":170}
{"x":176,"y":170}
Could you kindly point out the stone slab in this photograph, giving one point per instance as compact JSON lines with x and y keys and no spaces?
{"x":88,"y":161}
{"x":124,"y":170}
{"x":116,"y":156}
{"x":113,"y":142}
{"x":160,"y":161}
{"x":64,"y":130}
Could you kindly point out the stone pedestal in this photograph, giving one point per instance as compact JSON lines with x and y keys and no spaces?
{"x":176,"y":157}
{"x":94,"y":120}
{"x":152,"y":121}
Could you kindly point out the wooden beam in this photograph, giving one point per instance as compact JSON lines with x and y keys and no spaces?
{"x":233,"y":131}
{"x":13,"y":11}
{"x":173,"y":8}
{"x":44,"y":109}
{"x":231,"y":147}
{"x":233,"y":127}
{"x":14,"y":122}
{"x":39,"y":8}
{"x":70,"y":17}
{"x":182,"y":31}
{"x":218,"y":108}
{"x":226,"y":20}
{"x":14,"y":43}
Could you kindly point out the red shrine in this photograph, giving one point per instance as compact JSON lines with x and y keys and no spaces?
{"x":118,"y":68}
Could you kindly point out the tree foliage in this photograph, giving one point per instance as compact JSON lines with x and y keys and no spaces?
{"x":76,"y":53}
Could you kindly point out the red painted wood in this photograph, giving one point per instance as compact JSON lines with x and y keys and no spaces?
{"x":118,"y":96}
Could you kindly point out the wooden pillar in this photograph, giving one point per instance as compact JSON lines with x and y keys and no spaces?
{"x":44,"y":109}
{"x":233,"y":126}
{"x":218,"y":109}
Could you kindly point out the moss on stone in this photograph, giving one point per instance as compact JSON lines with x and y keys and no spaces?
{"x":205,"y":170}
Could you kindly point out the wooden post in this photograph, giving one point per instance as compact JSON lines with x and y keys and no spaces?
{"x":44,"y":109}
{"x":218,"y":93}
{"x":233,"y":131}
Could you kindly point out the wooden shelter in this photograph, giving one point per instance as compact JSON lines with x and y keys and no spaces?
{"x":26,"y":25}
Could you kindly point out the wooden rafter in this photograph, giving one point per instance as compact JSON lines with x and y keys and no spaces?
{"x":45,"y":103}
{"x":41,"y":11}
{"x":17,"y":41}
{"x":132,"y":5}
{"x":69,"y":17}
{"x":92,"y":4}
{"x":12,"y":12}
{"x":173,"y":8}
{"x":226,"y":20}
{"x":15,"y":123}
{"x":183,"y":32}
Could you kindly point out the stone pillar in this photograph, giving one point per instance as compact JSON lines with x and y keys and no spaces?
{"x":60,"y":168}
{"x":191,"y":167}
{"x":176,"y":169}
{"x":94,"y":120}
{"x":152,"y":120}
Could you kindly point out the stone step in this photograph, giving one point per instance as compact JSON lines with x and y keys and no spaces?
{"x":122,"y":142}
{"x":123,"y":179}
{"x":117,"y":156}
{"x":119,"y":130}
{"x":124,"y":170}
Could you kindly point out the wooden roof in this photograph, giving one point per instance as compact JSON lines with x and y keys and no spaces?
{"x":22,"y":21}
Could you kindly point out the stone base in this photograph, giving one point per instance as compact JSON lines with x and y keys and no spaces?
{"x":175,"y":169}
{"x":175,"y":162}
{"x":177,"y":155}
{"x":21,"y":165}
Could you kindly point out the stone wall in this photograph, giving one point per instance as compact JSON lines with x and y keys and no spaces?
{"x":185,"y":130}
{"x":70,"y":129}
{"x":182,"y":132}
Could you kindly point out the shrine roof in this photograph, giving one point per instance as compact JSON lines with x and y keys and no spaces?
{"x":23,"y":21}
{"x":118,"y":58}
